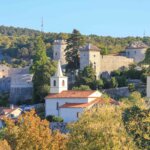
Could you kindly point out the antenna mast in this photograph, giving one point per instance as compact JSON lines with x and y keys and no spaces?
{"x":42,"y":26}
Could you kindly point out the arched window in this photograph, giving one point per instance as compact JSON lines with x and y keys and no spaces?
{"x":54,"y":83}
{"x":63,"y":82}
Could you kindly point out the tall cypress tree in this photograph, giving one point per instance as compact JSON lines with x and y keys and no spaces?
{"x":75,"y":41}
{"x":42,"y":69}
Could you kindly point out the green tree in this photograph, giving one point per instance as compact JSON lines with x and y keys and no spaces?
{"x":82,"y":87}
{"x":113,"y":82}
{"x":40,"y":58}
{"x":134,"y":99}
{"x":74,"y":42}
{"x":41,"y":80}
{"x":104,"y":51}
{"x":42,"y":69}
{"x":87,"y":77}
{"x":147,"y":57}
{"x":137,"y":123}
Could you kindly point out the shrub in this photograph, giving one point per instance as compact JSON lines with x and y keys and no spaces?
{"x":82,"y":87}
{"x":131,"y":87}
{"x":52,"y":118}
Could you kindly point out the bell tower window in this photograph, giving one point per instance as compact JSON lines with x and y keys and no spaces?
{"x":54,"y":83}
{"x":63,"y":82}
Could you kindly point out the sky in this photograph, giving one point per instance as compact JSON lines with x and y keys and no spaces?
{"x":118,"y":18}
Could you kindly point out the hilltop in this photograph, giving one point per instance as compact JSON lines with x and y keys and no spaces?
{"x":18,"y":43}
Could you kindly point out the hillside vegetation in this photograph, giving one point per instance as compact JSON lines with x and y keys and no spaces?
{"x":19,"y":43}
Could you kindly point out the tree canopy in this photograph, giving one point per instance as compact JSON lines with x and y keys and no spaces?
{"x":30,"y":133}
{"x":42,"y":69}
{"x":100,"y":128}
{"x":74,"y":42}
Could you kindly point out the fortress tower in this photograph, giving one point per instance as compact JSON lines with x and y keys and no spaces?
{"x":90,"y":54}
{"x":59,"y":47}
{"x":136,"y":50}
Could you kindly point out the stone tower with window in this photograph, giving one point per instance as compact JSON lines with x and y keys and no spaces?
{"x":58,"y":82}
{"x":90,"y":54}
{"x":59,"y":47}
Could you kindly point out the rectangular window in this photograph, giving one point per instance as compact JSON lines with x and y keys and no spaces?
{"x":57,"y":105}
{"x":78,"y":114}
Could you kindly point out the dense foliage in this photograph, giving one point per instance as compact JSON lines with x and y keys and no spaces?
{"x":74,"y":42}
{"x":52,"y":118}
{"x":137,"y":123}
{"x":42,"y":69}
{"x":30,"y":132}
{"x":81,"y":87}
{"x":100,"y":128}
{"x":18,"y":44}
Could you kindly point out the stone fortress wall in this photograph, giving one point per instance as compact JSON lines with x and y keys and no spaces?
{"x":110,"y":63}
{"x":134,"y":53}
{"x":16,"y":81}
{"x":103,"y":64}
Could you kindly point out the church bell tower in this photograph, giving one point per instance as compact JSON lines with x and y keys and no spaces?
{"x":58,"y":82}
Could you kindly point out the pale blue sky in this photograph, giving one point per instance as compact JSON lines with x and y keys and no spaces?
{"x":101,"y":17}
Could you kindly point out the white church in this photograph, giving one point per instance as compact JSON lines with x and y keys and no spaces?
{"x":69,"y":104}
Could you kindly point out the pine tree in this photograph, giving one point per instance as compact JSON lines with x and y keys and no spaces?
{"x":40,"y":57}
{"x":42,"y":68}
{"x":74,"y":43}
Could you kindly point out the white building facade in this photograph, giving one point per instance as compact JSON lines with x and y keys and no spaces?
{"x":68,"y":104}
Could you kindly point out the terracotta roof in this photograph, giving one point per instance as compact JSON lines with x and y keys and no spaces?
{"x":89,"y":47}
{"x":84,"y":105}
{"x":6,"y":111}
{"x":79,"y":105}
{"x":71,"y":94}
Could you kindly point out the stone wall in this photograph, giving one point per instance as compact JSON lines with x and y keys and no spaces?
{"x":110,"y":63}
{"x":5,"y":84}
{"x":20,"y":94}
{"x":117,"y":92}
{"x":16,"y":81}
{"x":20,"y":88}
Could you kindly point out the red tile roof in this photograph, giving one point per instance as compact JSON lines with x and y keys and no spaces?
{"x":79,"y":105}
{"x":71,"y":94}
{"x":6,"y":111}
{"x":84,"y":105}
